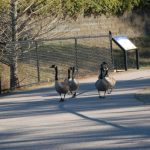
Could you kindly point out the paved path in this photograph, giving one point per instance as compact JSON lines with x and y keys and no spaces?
{"x":35,"y":120}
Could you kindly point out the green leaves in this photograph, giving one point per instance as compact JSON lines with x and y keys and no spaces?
{"x":145,"y":4}
{"x":115,"y":7}
{"x":73,"y":8}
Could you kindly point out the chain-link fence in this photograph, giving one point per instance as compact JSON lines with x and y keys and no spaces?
{"x":84,"y":52}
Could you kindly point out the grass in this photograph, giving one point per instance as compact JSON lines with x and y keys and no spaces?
{"x":89,"y":54}
{"x":144,"y":95}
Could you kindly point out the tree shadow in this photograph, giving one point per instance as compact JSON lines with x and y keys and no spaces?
{"x":46,"y":101}
{"x":112,"y":113}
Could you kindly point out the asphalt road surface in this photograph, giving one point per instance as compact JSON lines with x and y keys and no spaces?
{"x":36,"y":120}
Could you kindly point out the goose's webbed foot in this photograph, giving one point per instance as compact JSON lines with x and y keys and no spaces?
{"x":100,"y":96}
{"x":61,"y":100}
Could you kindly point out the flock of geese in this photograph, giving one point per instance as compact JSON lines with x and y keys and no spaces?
{"x":70,"y":85}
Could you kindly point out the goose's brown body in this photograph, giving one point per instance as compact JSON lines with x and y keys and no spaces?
{"x":61,"y":87}
{"x":102,"y":84}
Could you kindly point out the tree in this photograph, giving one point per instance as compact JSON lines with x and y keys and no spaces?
{"x":26,"y":20}
{"x":34,"y":19}
{"x":144,"y":5}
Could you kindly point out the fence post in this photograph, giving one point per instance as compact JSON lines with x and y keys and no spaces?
{"x":125,"y":61}
{"x":76,"y":54}
{"x":0,"y":86}
{"x":37,"y":61}
{"x":137,"y":59}
{"x":111,"y":49}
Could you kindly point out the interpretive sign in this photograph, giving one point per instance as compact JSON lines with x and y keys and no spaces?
{"x":126,"y":45}
{"x":124,"y":42}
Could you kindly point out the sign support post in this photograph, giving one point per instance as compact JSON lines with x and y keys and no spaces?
{"x":126,"y":45}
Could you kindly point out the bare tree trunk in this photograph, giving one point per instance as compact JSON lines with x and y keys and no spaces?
{"x":14,"y":47}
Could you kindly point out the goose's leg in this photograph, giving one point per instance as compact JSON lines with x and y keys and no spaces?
{"x":64,"y":97}
{"x":74,"y":95}
{"x":109,"y":91}
{"x":104,"y":94}
{"x":99,"y":94}
{"x":69,"y":92}
{"x":61,"y":99}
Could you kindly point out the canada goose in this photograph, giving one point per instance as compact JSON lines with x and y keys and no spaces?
{"x":111,"y":81}
{"x":73,"y":83}
{"x":101,"y":84}
{"x":60,"y":87}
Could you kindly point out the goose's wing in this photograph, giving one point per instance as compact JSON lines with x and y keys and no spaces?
{"x":74,"y":84}
{"x":111,"y":81}
{"x":61,"y":87}
{"x":101,"y":85}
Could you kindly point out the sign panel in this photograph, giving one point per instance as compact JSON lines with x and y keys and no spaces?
{"x":124,"y":42}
